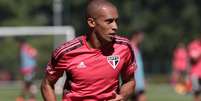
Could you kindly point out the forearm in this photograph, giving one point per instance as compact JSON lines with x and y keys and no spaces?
{"x":127,"y":89}
{"x":47,"y":91}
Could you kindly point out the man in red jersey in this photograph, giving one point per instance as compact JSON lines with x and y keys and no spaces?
{"x":195,"y":72}
{"x":179,"y":63}
{"x":94,"y":62}
{"x":180,"y":66}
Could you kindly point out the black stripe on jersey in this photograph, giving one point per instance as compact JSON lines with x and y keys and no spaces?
{"x":121,"y":40}
{"x":54,"y":59}
{"x":68,"y":50}
{"x":125,"y":41}
{"x":68,"y":46}
{"x":65,"y":50}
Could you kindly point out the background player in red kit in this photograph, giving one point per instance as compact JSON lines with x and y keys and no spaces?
{"x":180,"y":63}
{"x":194,"y":49}
{"x":94,"y":62}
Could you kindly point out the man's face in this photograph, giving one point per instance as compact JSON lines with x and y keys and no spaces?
{"x":106,"y":24}
{"x":140,"y":37}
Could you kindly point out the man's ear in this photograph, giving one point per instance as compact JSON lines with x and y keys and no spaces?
{"x":91,"y":22}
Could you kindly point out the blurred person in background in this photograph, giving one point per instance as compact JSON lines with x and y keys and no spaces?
{"x":136,"y":39}
{"x":180,"y":65}
{"x":93,"y":62}
{"x":194,"y":49}
{"x":28,"y":61}
{"x":5,"y":75}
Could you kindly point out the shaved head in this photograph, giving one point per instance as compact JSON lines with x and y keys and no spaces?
{"x":95,"y":6}
{"x":102,"y":18}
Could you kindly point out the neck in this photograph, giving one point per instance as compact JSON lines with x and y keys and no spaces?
{"x":134,"y":43}
{"x":94,"y":42}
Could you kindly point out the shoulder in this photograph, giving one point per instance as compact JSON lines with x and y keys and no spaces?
{"x":68,"y":46}
{"x":125,"y":45}
{"x":122,"y":41}
{"x":194,"y":44}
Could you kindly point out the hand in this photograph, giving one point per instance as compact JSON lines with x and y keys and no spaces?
{"x":117,"y":97}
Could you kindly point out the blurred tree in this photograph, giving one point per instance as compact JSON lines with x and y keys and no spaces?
{"x":165,"y":22}
{"x":25,"y":12}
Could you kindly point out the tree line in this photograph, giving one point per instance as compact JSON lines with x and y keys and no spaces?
{"x":165,"y":23}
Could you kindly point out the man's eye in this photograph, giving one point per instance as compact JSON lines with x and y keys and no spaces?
{"x":116,"y":20}
{"x":109,"y":21}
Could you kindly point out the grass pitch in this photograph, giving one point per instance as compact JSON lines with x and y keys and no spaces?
{"x":155,"y":92}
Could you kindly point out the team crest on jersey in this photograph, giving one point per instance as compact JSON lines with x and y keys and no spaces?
{"x":113,"y":60}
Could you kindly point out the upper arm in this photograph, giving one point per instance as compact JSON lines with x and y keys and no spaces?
{"x":129,"y":66}
{"x":52,"y":73}
{"x":55,"y":68}
{"x":46,"y":81}
{"x":194,"y":50}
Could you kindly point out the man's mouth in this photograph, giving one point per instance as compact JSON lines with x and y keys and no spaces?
{"x":112,"y":34}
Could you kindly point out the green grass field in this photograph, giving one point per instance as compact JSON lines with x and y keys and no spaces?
{"x":155,"y":92}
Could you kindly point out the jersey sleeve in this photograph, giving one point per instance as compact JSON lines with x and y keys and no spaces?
{"x":129,"y":66}
{"x":194,"y":50}
{"x":55,"y":67}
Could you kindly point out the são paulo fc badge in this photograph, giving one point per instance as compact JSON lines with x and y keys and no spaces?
{"x":113,"y":60}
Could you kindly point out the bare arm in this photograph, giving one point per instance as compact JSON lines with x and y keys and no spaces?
{"x":127,"y":89}
{"x":47,"y":89}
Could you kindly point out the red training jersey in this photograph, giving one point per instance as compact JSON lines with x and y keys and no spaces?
{"x":93,"y":74}
{"x":195,"y":54}
{"x":180,"y":59}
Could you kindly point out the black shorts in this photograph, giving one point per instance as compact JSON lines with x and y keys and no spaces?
{"x":137,"y":94}
{"x":196,"y":85}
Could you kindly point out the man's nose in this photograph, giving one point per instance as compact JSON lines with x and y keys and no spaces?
{"x":114,"y":26}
